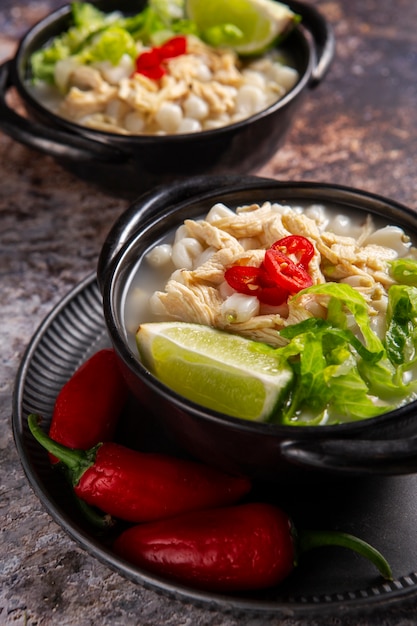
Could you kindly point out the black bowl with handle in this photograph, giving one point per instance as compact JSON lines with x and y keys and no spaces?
{"x":130,"y":164}
{"x":386,"y":444}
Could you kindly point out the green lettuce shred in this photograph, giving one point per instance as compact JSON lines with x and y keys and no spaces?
{"x":404,"y":271}
{"x":342,"y":375}
{"x":96,"y":36}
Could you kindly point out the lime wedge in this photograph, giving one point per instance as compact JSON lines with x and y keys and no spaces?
{"x":247,"y":26}
{"x":215,"y":369}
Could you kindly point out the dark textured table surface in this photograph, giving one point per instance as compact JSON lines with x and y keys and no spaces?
{"x":358,"y":128}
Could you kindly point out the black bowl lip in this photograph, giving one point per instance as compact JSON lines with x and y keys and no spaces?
{"x":126,"y":140}
{"x":197,"y":411}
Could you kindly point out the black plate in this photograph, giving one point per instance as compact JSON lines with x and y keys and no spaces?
{"x":380,"y":510}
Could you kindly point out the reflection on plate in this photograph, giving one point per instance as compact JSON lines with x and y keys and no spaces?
{"x":380,"y":510}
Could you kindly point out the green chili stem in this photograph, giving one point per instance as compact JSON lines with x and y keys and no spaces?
{"x":96,"y":519}
{"x":76,"y":461}
{"x":309,"y":539}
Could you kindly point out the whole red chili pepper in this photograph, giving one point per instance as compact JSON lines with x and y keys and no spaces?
{"x":237,"y":548}
{"x":140,"y":486}
{"x":89,"y":405}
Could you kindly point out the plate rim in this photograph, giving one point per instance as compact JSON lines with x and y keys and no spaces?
{"x":382,"y":596}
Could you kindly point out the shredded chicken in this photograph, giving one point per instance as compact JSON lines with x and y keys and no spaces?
{"x":195,"y":302}
{"x":90,"y":94}
{"x":123,"y":101}
{"x":198,"y":295}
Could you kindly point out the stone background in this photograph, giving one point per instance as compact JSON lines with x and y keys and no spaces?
{"x":358,"y":128}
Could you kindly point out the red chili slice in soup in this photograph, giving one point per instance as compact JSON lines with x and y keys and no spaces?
{"x":298,"y":245}
{"x":286,"y":273}
{"x":255,"y":281}
{"x":244,"y":279}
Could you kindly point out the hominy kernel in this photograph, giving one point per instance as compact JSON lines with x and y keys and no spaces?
{"x":159,"y":255}
{"x":185,"y":251}
{"x":204,"y":257}
{"x":250,"y":99}
{"x":239,"y":308}
{"x":169,"y":117}
{"x":285,"y":76}
{"x":115,"y":109}
{"x":134,"y":123}
{"x":254,"y":78}
{"x":188,"y":125}
{"x":219,"y":211}
{"x":196,"y":107}
{"x":225,"y":290}
{"x":155,"y":305}
{"x":180,"y":233}
{"x":114,"y":73}
{"x":392,"y":237}
{"x":204,"y":73}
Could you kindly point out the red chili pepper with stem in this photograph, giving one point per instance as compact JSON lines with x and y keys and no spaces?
{"x":140,"y":486}
{"x":89,"y":405}
{"x":237,"y":548}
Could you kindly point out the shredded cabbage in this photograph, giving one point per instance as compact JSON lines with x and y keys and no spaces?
{"x":96,"y":36}
{"x":344,"y":376}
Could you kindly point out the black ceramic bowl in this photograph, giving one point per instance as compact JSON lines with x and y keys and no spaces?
{"x":386,"y":444}
{"x":128,"y":165}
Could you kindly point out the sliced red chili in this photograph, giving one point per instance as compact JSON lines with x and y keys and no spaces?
{"x":264,"y":279}
{"x":244,"y":279}
{"x":297,"y":245}
{"x":150,"y":62}
{"x":154,"y":73}
{"x":285,"y":272}
{"x":174,"y":47}
{"x":274,"y":296}
{"x":255,"y":281}
{"x":278,"y":276}
{"x":270,"y":293}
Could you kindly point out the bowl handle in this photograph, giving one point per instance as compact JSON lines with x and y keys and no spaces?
{"x":350,"y":457}
{"x":323,"y":38}
{"x":51,"y":141}
{"x":158,"y":201}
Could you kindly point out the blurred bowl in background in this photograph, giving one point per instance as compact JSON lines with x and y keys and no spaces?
{"x":126,"y":165}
